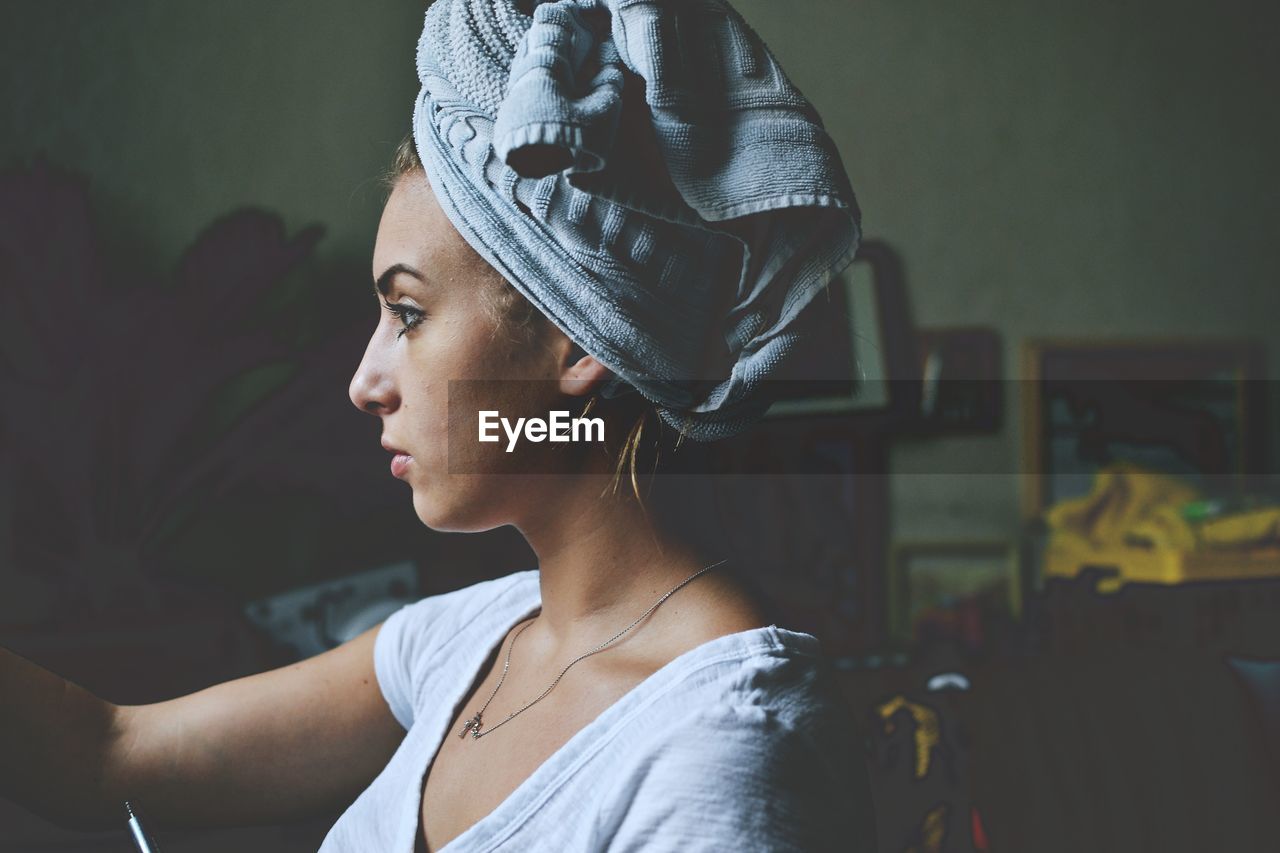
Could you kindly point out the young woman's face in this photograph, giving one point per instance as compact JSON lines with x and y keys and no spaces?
{"x":438,"y":329}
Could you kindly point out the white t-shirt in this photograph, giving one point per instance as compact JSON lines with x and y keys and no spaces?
{"x":741,"y":744}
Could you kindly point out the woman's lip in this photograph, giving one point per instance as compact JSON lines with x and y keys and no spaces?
{"x":400,"y":464}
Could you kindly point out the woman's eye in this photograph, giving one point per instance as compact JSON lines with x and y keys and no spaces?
{"x":408,"y":317}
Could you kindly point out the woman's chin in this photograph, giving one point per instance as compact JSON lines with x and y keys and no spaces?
{"x":447,"y":516}
{"x":429,"y":511}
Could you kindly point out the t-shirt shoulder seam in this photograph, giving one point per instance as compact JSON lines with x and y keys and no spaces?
{"x":505,"y":585}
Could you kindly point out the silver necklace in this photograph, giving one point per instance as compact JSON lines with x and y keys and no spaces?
{"x":473,"y":725}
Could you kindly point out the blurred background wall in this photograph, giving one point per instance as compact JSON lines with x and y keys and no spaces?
{"x":1103,"y":168}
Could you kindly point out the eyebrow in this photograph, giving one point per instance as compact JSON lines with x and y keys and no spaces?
{"x":383,"y":284}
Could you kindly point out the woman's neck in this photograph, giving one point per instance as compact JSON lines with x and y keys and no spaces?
{"x":604,"y":561}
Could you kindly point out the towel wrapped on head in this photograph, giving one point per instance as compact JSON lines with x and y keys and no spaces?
{"x":645,"y":174}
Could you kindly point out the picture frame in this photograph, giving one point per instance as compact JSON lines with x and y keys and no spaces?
{"x":963,"y":590}
{"x":961,"y":392}
{"x":1193,"y":408}
{"x":858,"y":363}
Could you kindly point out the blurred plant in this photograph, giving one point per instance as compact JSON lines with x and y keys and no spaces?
{"x":137,"y":411}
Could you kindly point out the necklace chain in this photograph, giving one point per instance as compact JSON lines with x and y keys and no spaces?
{"x":474,"y":724}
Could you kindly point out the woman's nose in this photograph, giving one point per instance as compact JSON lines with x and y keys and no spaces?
{"x":371,"y":388}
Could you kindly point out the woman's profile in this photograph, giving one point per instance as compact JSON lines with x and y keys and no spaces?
{"x":607,"y":208}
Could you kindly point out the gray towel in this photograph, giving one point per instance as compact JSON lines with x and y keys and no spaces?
{"x":647,"y":176}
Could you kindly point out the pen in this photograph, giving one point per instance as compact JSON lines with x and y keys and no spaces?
{"x":141,"y":838}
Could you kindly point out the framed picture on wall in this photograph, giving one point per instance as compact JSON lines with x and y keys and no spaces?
{"x":857,"y":362}
{"x":960,"y":390}
{"x":1190,"y":408}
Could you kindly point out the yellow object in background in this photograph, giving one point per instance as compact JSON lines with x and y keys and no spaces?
{"x":1253,"y":528}
{"x":928,"y":734}
{"x":1131,"y":527}
{"x":1127,"y":500}
{"x":1164,"y":527}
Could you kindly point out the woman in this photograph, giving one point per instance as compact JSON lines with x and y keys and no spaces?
{"x":630,"y":693}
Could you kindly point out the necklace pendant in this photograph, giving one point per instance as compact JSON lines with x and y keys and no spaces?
{"x":472,"y":725}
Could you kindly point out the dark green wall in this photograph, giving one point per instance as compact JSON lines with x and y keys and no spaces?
{"x":181,"y":111}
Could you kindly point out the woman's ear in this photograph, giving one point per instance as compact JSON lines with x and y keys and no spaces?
{"x":580,"y":373}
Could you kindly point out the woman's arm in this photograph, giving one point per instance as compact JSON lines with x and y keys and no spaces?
{"x":275,"y":746}
{"x":52,"y":734}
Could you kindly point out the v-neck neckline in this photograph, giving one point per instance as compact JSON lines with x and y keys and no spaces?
{"x":495,"y":630}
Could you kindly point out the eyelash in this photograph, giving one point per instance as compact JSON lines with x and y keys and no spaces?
{"x":402,"y":312}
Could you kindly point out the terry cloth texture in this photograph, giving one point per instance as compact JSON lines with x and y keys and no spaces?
{"x":646,"y":175}
{"x":741,"y":744}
